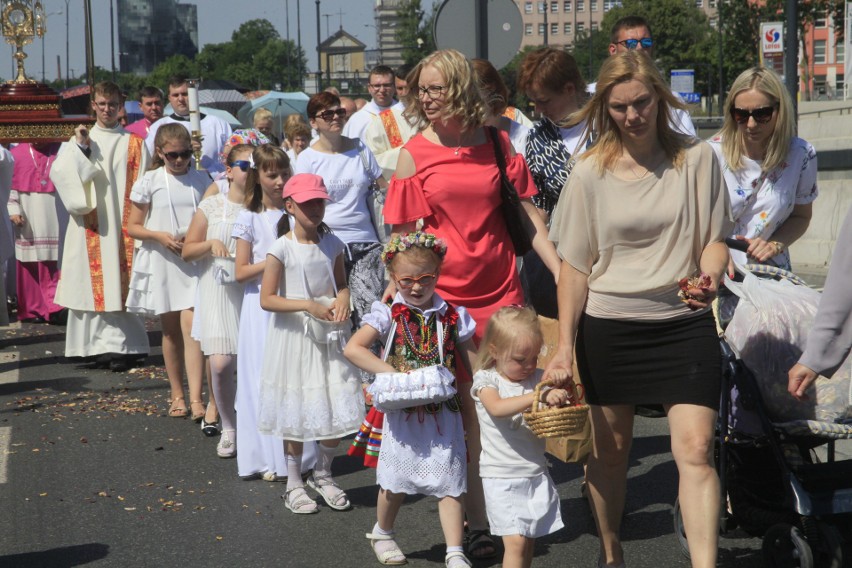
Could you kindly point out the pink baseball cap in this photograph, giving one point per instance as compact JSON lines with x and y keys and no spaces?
{"x":304,"y":187}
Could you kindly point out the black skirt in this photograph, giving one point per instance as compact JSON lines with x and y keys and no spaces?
{"x":650,"y":362}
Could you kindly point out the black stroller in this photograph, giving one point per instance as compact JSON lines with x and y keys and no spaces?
{"x":772,"y":483}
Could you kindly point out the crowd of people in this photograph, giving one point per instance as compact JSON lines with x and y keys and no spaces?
{"x":381,"y":242}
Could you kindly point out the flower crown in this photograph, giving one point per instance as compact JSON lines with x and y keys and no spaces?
{"x":405,"y":241}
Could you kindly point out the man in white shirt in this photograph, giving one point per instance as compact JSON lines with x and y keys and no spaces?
{"x":382,"y":89}
{"x":214,"y":131}
{"x":634,"y":33}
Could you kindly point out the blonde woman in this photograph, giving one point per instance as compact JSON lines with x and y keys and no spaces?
{"x":643,"y":207}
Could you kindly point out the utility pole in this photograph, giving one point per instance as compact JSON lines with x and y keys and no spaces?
{"x":319,"y":53}
{"x":112,"y":38}
{"x":791,"y":54}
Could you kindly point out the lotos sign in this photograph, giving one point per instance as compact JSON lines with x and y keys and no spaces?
{"x":771,"y":37}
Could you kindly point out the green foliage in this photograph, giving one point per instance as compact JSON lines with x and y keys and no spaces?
{"x":415,"y":24}
{"x":509,"y":74}
{"x":591,"y":48}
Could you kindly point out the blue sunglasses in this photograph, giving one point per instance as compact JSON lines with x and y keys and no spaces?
{"x":242,"y":164}
{"x":645,"y":42}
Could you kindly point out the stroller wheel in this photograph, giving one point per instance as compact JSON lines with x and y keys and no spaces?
{"x":829,"y":552}
{"x":785,"y":547}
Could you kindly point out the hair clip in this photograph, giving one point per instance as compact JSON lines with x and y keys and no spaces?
{"x":251,"y":161}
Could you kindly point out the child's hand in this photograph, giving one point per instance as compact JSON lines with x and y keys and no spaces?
{"x":340,"y":308}
{"x":218,"y":248}
{"x":556,"y":397}
{"x":558,"y":375}
{"x":168,"y":240}
{"x":320,"y":312}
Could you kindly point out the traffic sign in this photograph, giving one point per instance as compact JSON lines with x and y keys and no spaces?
{"x":496,"y":24}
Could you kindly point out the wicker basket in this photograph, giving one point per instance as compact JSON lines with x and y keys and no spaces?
{"x":555,"y":422}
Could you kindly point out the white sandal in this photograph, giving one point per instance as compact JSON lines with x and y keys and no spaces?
{"x":298,"y":501}
{"x":387,"y":556}
{"x":456,"y":559}
{"x":337,"y":501}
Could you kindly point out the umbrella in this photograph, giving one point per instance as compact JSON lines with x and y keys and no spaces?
{"x":223,"y":114}
{"x":226,"y":99}
{"x":133,"y":110}
{"x":280,"y":104}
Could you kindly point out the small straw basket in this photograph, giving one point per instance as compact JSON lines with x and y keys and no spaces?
{"x":548,"y":422}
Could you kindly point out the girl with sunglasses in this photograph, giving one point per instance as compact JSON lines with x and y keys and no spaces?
{"x":348,"y":168}
{"x":163,"y":202}
{"x":423,"y":448}
{"x":209,"y":243}
{"x":770,"y":173}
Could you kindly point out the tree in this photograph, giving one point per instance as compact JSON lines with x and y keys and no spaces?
{"x":174,"y":65}
{"x":414,"y":31}
{"x":591,"y":48}
{"x":808,"y":13}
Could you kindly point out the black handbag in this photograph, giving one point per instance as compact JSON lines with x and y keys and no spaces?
{"x":510,"y":204}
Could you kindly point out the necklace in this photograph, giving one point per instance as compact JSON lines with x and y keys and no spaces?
{"x":42,"y":172}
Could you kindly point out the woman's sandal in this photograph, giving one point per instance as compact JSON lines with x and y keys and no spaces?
{"x":298,"y":501}
{"x":323,"y":485}
{"x":386,"y":549}
{"x":176,"y":411}
{"x":456,"y":560}
{"x":477,"y":541}
{"x":198,"y":417}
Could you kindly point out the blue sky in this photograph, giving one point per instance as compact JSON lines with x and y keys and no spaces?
{"x":217,"y":19}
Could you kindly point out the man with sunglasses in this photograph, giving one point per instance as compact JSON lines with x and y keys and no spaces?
{"x":382,"y":89}
{"x":93,"y":174}
{"x":214,"y":131}
{"x":634,"y":33}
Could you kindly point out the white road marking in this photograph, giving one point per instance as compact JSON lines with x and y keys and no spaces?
{"x":5,"y":443}
{"x":11,"y":375}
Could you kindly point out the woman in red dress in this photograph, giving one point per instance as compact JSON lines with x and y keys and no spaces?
{"x":447,"y":176}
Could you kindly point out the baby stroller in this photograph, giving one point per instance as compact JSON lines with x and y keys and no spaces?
{"x":772,"y":483}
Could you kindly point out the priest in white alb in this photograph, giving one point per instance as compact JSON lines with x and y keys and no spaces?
{"x":93,"y":174}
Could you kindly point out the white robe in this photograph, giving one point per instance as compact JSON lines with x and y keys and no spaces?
{"x":357,"y":124}
{"x":85,"y":184}
{"x":377,"y":140}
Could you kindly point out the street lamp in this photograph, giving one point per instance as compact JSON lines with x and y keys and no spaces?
{"x":67,"y":27}
{"x":44,"y":27}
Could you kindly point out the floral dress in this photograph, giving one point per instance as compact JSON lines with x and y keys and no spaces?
{"x":762,"y":201}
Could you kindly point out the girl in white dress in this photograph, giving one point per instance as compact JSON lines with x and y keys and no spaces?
{"x":520,"y":497}
{"x":209,"y":242}
{"x":308,"y":391}
{"x":163,"y":202}
{"x":423,"y":448}
{"x":255,"y":230}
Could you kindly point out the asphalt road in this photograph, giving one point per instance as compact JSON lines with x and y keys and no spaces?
{"x":92,"y":473}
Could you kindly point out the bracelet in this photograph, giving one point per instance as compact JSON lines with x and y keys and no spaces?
{"x":779,"y":246}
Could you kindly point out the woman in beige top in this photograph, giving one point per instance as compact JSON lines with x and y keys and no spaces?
{"x":642,"y":209}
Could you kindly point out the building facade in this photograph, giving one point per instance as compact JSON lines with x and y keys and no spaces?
{"x":388,"y":49}
{"x":557,"y":23}
{"x":151,"y":31}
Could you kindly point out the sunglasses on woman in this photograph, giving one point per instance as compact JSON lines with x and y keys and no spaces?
{"x":328,"y":115}
{"x":244,"y":165}
{"x":424,"y":280}
{"x":760,"y":115}
{"x":185,"y":155}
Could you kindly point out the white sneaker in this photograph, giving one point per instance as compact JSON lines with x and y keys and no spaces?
{"x":227,"y":446}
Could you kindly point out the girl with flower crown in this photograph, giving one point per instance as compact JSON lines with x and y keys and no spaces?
{"x":422,"y":448}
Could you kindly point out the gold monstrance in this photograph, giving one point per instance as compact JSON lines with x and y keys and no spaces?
{"x":21,"y":21}
{"x":30,"y":111}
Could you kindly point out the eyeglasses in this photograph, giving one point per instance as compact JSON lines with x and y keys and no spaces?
{"x":424,"y":280}
{"x":244,"y":165}
{"x":432,"y":91}
{"x":760,"y":115}
{"x":107,"y":105}
{"x":185,"y":155}
{"x":645,"y":42}
{"x":328,"y":115}
{"x":378,"y":86}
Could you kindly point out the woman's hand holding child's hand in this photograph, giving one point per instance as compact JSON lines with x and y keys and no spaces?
{"x":558,"y":375}
{"x":697,"y":292}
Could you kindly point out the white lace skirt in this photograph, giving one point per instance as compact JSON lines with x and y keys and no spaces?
{"x":423,"y":454}
{"x":219,"y":310}
{"x":308,"y":390}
